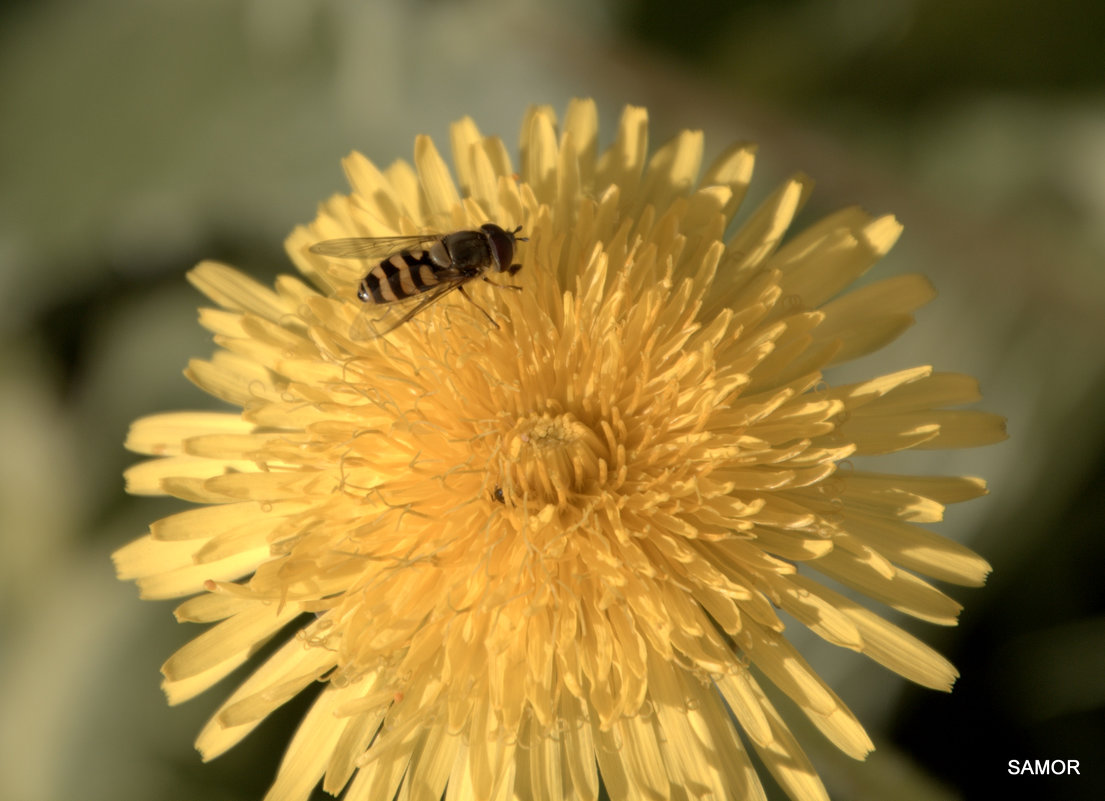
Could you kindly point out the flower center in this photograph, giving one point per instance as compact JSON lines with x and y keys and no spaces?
{"x":553,"y":458}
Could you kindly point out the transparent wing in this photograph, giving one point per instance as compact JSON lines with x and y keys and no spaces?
{"x":366,"y":247}
{"x":377,"y":319}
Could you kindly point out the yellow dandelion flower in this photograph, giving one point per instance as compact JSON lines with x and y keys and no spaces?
{"x":533,"y":555}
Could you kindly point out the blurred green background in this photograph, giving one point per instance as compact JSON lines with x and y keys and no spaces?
{"x":138,"y":137}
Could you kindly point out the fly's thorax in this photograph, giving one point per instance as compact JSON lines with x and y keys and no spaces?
{"x":470,"y":251}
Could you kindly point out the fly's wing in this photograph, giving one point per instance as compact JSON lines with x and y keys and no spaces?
{"x":375,"y":320}
{"x":367,"y":247}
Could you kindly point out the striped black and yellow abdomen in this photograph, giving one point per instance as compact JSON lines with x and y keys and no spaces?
{"x":405,"y":274}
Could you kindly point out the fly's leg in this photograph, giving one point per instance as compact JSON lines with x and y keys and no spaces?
{"x":478,"y":306}
{"x":501,"y":286}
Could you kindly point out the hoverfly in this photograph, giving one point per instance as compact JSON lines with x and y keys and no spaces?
{"x":421,"y":270}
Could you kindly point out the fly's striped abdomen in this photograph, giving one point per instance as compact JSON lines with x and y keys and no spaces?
{"x":402,"y":275}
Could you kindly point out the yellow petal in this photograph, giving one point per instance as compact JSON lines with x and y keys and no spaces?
{"x":732,"y":169}
{"x":541,"y":158}
{"x":355,"y":738}
{"x":901,"y":591}
{"x":235,"y":290}
{"x":437,"y":183}
{"x":892,"y":647}
{"x":827,"y":257}
{"x":375,"y":194}
{"x":168,"y":582}
{"x":309,"y":751}
{"x":232,"y":378}
{"x":465,"y":139}
{"x":239,"y":634}
{"x":431,"y":765}
{"x":872,"y":317}
{"x":785,"y":759}
{"x":581,"y":123}
{"x":290,"y":659}
{"x":673,"y":169}
{"x":746,"y":706}
{"x":758,"y":238}
{"x":148,"y":478}
{"x":622,"y":163}
{"x":918,"y":549}
{"x":801,"y":599}
{"x":842,"y":729}
{"x":578,"y":749}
